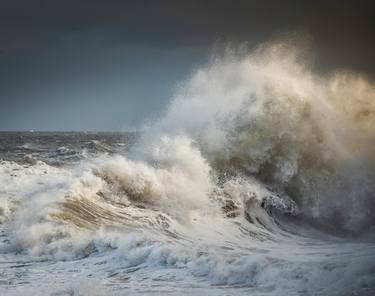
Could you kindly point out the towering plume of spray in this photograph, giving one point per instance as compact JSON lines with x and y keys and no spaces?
{"x":265,"y":114}
{"x":250,"y":130}
{"x":251,"y":143}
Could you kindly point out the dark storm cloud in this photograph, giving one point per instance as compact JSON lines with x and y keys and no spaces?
{"x":127,"y":55}
{"x":345,"y":24}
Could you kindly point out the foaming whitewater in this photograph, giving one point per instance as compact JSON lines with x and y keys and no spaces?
{"x":259,"y":179}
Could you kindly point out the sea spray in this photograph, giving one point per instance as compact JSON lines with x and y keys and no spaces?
{"x":222,"y":195}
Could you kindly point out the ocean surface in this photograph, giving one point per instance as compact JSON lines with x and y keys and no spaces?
{"x":258,"y":180}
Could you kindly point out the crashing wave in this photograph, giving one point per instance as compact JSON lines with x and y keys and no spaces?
{"x":249,"y":147}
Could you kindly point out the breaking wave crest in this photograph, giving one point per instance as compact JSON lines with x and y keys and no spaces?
{"x":250,"y":144}
{"x":267,"y":115}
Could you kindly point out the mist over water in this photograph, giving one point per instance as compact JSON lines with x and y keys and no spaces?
{"x":258,"y":179}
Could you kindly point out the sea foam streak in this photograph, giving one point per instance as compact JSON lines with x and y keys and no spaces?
{"x":254,"y":154}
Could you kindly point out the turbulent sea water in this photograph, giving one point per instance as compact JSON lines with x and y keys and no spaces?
{"x":258,"y":180}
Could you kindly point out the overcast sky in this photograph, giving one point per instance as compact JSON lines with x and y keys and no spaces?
{"x":109,"y":65}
